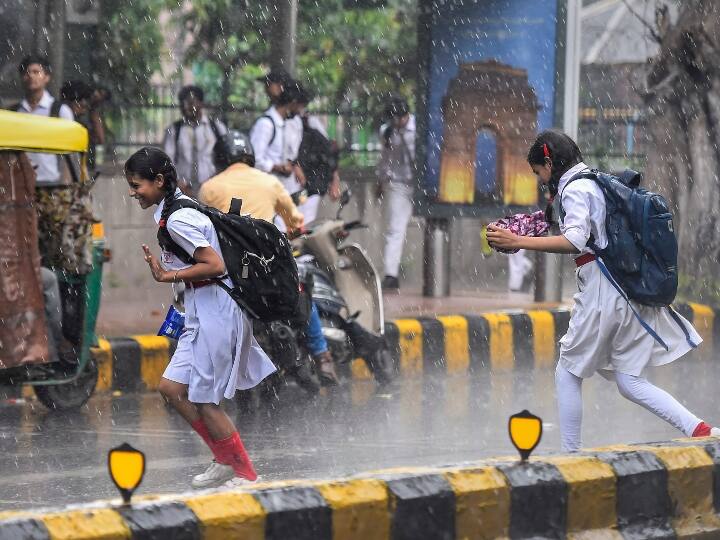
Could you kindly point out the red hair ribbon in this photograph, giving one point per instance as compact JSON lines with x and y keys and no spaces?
{"x":546,"y":152}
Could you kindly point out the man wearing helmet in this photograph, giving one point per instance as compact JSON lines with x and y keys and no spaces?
{"x":263,"y":196}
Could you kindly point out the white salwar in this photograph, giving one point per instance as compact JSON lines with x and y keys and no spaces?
{"x":217,"y":353}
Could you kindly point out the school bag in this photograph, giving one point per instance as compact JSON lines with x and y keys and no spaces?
{"x":258,"y":258}
{"x":640,"y":260}
{"x":318,"y":160}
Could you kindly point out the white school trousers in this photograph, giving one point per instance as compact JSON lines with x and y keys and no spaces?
{"x":398,"y":209}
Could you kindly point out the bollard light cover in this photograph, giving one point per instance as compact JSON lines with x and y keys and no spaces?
{"x":525,"y":431}
{"x":127,"y":468}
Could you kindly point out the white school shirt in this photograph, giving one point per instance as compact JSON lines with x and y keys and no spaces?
{"x":203,"y":138}
{"x":46,"y":165}
{"x":190,"y":230}
{"x":268,"y":154}
{"x":584,"y":205}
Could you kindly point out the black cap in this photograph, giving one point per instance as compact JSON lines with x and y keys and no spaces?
{"x":278,"y":75}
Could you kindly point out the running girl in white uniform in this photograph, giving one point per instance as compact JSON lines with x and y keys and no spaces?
{"x":604,"y":335}
{"x":217,"y":353}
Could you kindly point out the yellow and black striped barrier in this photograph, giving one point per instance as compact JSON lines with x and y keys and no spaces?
{"x":668,"y":490}
{"x":448,"y":344}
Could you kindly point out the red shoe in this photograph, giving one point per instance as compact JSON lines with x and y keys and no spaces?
{"x":706,"y":430}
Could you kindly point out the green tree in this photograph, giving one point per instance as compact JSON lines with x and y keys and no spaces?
{"x":129,"y":46}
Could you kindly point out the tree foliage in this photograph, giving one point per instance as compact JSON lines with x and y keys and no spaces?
{"x":683,"y":98}
{"x":346,"y":56}
{"x":129,"y":47}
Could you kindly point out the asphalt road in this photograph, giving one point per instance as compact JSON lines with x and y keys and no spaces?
{"x":51,"y":459}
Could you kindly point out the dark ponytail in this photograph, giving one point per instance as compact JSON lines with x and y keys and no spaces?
{"x":147,"y":163}
{"x":560,"y":149}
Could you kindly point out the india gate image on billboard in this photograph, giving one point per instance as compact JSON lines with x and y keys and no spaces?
{"x":493,"y":74}
{"x":490,"y":119}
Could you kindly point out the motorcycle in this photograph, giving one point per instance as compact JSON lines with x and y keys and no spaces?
{"x":346,"y":289}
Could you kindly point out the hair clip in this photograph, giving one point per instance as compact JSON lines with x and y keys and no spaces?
{"x":546,"y":152}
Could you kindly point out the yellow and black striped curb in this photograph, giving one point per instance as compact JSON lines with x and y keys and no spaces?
{"x":448,"y":344}
{"x":668,"y":490}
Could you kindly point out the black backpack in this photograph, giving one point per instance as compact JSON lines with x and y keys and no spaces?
{"x":318,"y":160}
{"x":258,"y":258}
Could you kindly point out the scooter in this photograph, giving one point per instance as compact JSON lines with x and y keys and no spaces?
{"x":346,"y":289}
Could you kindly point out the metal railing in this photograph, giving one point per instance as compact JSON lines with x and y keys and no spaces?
{"x":132,"y":126}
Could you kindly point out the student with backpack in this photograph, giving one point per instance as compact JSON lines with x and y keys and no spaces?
{"x":217,"y":353}
{"x":317,"y":157}
{"x":189,"y":141}
{"x":621,"y":320}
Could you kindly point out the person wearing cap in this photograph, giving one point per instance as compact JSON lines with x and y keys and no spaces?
{"x":396,"y":183}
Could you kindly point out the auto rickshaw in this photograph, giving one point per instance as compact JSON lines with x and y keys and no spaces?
{"x":59,"y":381}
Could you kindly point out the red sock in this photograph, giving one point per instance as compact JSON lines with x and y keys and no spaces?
{"x":232,"y":452}
{"x":202,"y":430}
{"x":702,"y":430}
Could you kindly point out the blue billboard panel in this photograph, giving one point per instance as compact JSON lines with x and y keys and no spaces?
{"x":491,"y":87}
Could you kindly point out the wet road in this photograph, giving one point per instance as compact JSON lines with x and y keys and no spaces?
{"x":50,"y":459}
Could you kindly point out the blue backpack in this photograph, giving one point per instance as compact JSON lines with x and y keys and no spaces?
{"x":640,"y":259}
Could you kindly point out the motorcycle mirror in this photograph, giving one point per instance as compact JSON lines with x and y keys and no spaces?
{"x":344,"y":199}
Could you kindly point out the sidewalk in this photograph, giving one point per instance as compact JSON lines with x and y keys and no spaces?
{"x":120,"y":316}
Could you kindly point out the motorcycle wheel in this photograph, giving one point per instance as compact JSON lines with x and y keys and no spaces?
{"x":68,"y":396}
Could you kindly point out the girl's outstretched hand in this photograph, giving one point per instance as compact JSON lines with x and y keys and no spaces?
{"x":158,"y":272}
{"x":502,"y":238}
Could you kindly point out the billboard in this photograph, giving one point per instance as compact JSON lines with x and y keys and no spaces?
{"x":489,"y":83}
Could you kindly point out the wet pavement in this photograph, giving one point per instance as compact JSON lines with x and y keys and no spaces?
{"x":51,"y":459}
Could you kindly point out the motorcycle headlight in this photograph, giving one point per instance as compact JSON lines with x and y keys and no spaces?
{"x":334,"y":334}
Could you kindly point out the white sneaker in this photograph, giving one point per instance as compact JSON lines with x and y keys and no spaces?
{"x":715,"y":432}
{"x":215,"y":475}
{"x":239,"y":481}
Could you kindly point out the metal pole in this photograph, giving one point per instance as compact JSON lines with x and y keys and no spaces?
{"x":56,"y":35}
{"x":283,"y":45}
{"x":548,"y":285}
{"x":436,"y":269}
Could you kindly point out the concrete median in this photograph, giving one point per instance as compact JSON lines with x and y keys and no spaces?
{"x":446,"y":344}
{"x":664,"y":490}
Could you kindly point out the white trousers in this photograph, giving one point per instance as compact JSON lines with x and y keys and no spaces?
{"x":519,"y":264}
{"x":637,"y":389}
{"x":398,"y":203}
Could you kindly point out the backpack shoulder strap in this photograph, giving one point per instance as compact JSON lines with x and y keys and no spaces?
{"x":272,"y":137}
{"x":590,"y":175}
{"x":55,"y":108}
{"x":176,"y":134}
{"x":215,"y":128}
{"x":165,"y":240}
